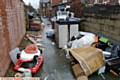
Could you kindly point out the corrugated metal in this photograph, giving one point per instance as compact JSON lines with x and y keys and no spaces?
{"x":12,"y":30}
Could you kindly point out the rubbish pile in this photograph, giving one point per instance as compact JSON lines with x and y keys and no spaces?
{"x":88,"y":51}
{"x":88,"y":60}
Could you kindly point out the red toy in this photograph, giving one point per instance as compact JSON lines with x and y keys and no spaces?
{"x":31,"y":55}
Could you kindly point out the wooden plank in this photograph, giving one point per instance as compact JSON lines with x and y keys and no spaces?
{"x":31,"y":39}
{"x":82,"y":78}
{"x":77,"y":70}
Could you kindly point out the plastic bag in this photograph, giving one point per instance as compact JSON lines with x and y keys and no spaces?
{"x":115,"y":51}
{"x":86,"y":40}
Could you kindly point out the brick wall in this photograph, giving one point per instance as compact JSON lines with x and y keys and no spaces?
{"x":109,"y":28}
{"x":12,"y":30}
{"x":56,"y":2}
{"x":76,"y":7}
{"x":106,"y":23}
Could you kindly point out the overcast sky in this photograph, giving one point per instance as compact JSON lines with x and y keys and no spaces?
{"x":34,"y":3}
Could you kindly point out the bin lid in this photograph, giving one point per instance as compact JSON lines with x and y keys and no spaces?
{"x":69,"y":21}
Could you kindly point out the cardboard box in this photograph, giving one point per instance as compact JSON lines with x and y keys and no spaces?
{"x":89,"y":58}
{"x":82,"y":78}
{"x":77,"y":70}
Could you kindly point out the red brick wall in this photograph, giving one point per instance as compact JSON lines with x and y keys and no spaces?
{"x":12,"y":30}
{"x":76,"y":7}
{"x":56,"y":2}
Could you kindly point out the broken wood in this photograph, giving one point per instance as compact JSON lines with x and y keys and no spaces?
{"x":31,"y":39}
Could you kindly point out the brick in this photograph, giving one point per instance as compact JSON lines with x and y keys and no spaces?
{"x":56,"y":2}
{"x":10,"y":29}
{"x":107,"y":27}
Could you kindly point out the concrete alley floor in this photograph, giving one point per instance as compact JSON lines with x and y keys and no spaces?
{"x":56,"y":66}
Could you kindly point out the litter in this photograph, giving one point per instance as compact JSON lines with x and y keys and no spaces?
{"x":110,"y":60}
{"x":27,"y":73}
{"x":31,"y":39}
{"x":114,"y":73}
{"x":82,"y":78}
{"x":38,"y":40}
{"x":113,"y":66}
{"x":89,"y":58}
{"x":13,"y":55}
{"x":34,"y":36}
{"x":81,"y":40}
{"x":104,"y":40}
{"x":102,"y":46}
{"x":77,"y":70}
{"x":50,"y":33}
{"x":18,"y":75}
{"x":101,"y":71}
{"x":53,"y":43}
{"x":42,"y":24}
{"x":103,"y":76}
{"x":35,"y":24}
{"x":107,"y":54}
{"x":86,"y":40}
{"x":34,"y":39}
{"x":39,"y":45}
{"x":85,"y":33}
{"x":29,"y":59}
{"x":115,"y":50}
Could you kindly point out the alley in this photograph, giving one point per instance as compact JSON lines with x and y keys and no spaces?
{"x":59,"y":39}
{"x":56,"y":66}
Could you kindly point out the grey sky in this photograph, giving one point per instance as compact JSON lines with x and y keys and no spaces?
{"x":34,"y":3}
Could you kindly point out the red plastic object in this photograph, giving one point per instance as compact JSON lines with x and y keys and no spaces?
{"x":31,"y":49}
{"x":34,"y":69}
{"x":35,"y":25}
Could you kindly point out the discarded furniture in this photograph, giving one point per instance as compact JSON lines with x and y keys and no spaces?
{"x":65,"y":29}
